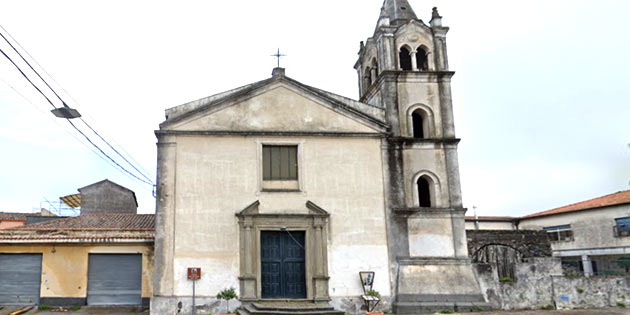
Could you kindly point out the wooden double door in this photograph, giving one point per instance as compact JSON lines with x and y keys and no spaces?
{"x":283,"y":257}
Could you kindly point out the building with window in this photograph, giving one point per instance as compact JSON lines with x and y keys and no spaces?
{"x":592,"y":237}
{"x":285,"y":191}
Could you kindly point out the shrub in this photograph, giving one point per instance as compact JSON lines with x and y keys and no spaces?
{"x":548,"y":307}
{"x":227,"y":295}
{"x":506,"y":279}
{"x":75,"y":307}
{"x":477,"y":308}
{"x":579,"y":290}
{"x":621,"y":305}
{"x":43,"y":307}
{"x":445,"y":312}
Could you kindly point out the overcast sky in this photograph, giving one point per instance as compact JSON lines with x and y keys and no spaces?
{"x":541,"y":92}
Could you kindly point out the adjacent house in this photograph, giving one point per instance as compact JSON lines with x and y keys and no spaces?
{"x":96,"y":258}
{"x":592,"y":237}
{"x":11,"y":219}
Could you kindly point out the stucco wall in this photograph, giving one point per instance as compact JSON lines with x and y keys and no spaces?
{"x":591,"y":228}
{"x":65,"y":266}
{"x":485,"y":225}
{"x":4,"y":224}
{"x":218,"y":176}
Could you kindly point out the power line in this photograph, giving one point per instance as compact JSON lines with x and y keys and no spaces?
{"x":150,"y":182}
{"x":68,"y":94}
{"x":71,"y":134}
{"x":111,"y":147}
{"x":72,"y":124}
{"x":29,"y":80}
{"x":29,"y":65}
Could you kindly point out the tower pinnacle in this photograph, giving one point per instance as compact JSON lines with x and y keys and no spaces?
{"x":398,"y":10}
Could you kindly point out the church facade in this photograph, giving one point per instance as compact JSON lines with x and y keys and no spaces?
{"x":286,"y":192}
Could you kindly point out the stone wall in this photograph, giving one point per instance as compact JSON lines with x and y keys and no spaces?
{"x":540,"y":284}
{"x":528,"y":243}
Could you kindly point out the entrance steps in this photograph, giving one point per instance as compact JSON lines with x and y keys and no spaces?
{"x":288,"y":308}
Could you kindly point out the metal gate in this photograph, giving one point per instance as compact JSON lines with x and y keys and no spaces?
{"x":20,"y":279}
{"x":282,"y":264}
{"x":114,"y":279}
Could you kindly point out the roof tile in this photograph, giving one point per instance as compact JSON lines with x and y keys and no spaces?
{"x":96,"y":222}
{"x":620,"y":197}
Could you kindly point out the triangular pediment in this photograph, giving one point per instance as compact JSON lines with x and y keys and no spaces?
{"x":277,"y":106}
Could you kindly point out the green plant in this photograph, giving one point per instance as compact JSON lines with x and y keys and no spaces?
{"x":43,"y":307}
{"x":477,"y":308}
{"x":506,"y":279}
{"x":621,"y":305}
{"x":548,"y":307}
{"x":579,"y":290}
{"x":373,"y":293}
{"x":445,"y":312}
{"x":75,"y":307}
{"x":227,"y":295}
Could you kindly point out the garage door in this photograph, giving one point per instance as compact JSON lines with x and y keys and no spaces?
{"x":114,"y":279}
{"x":20,"y":278}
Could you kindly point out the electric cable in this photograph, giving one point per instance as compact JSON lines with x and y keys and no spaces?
{"x":73,"y":125}
{"x":71,"y":134}
{"x":65,"y":105}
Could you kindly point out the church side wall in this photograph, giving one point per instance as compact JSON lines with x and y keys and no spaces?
{"x":218,"y":176}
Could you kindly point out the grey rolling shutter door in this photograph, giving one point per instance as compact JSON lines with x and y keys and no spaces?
{"x":114,"y":279}
{"x":20,"y":278}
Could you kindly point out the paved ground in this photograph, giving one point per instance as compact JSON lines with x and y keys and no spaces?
{"x":611,"y":311}
{"x":84,"y":310}
{"x":135,"y":311}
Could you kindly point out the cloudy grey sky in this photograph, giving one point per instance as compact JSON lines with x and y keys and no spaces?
{"x":541,"y":93}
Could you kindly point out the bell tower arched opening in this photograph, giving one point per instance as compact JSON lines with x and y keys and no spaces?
{"x":405,"y":59}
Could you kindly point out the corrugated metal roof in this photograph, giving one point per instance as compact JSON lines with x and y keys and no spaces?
{"x":73,"y":201}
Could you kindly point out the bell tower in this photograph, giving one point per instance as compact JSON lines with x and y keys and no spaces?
{"x":403,"y":68}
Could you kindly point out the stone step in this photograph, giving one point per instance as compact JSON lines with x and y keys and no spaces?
{"x":292,"y":307}
{"x":299,"y":308}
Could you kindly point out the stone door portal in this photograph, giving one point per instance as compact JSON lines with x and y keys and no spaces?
{"x":282,"y":257}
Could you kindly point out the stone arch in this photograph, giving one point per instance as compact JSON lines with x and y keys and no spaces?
{"x":404,"y":58}
{"x":367,"y":77}
{"x":422,"y":58}
{"x":434,"y":191}
{"x":374,"y":69}
{"x":427,"y":121}
{"x":504,"y":256}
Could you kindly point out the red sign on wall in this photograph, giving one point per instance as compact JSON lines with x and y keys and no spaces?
{"x":194,"y":273}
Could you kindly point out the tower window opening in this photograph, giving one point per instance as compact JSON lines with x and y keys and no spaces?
{"x":422,"y":60}
{"x":418,"y":125}
{"x":424,"y":192}
{"x":405,"y":59}
{"x":374,"y":70}
{"x":368,"y":77}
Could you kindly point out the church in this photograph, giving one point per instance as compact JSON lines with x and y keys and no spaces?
{"x":286,"y":192}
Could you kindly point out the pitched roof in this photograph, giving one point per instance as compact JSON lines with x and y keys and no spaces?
{"x":398,"y":10}
{"x":96,"y":222}
{"x":618,"y":198}
{"x":491,"y":218}
{"x":362,"y":111}
{"x":12,"y":216}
